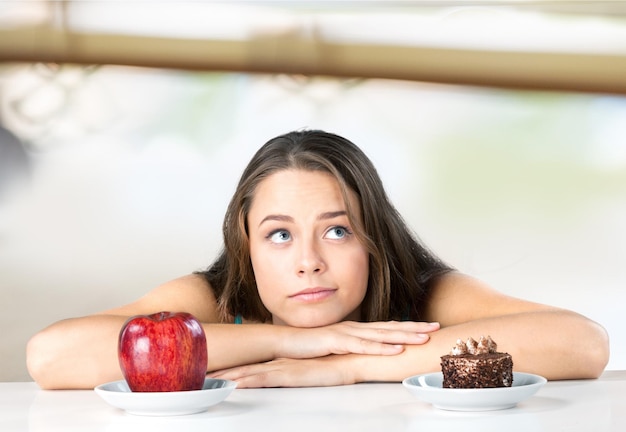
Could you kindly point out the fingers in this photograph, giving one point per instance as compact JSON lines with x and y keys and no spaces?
{"x":360,"y":345}
{"x":405,"y":326}
{"x":256,"y":375}
{"x":268,"y":374}
{"x":365,"y":346}
{"x":380,"y":338}
{"x":284,"y":373}
{"x":374,"y":338}
{"x":391,"y":333}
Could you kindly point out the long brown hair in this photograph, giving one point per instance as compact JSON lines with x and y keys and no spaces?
{"x":401,"y":268}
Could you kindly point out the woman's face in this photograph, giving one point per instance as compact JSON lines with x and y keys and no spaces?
{"x":310,"y":269}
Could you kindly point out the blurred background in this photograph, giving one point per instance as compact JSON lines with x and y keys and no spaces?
{"x":114,"y":177}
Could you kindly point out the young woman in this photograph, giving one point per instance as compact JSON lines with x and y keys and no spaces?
{"x":331,"y":287}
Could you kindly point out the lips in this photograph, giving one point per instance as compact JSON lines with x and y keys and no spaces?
{"x":313,"y":294}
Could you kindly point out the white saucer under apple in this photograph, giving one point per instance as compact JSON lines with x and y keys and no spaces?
{"x":429,"y":388}
{"x":118,"y":394}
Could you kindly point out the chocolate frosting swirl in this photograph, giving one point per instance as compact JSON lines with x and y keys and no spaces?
{"x":485,"y":345}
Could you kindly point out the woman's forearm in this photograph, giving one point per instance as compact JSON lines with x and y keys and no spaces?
{"x":230,"y":346}
{"x":82,"y":352}
{"x":555,"y":344}
{"x":76,"y":353}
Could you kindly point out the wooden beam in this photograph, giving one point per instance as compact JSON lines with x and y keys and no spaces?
{"x":289,"y":54}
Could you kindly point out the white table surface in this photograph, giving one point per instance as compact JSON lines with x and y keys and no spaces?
{"x":585,"y":405}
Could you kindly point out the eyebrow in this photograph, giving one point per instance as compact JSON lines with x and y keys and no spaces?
{"x":285,"y":218}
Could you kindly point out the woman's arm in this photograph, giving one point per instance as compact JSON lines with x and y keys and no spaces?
{"x":82,"y":352}
{"x":551,"y":342}
{"x":556,"y":344}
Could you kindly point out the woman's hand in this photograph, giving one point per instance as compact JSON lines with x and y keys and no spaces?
{"x":285,"y":372}
{"x":374,"y":338}
{"x":321,"y":356}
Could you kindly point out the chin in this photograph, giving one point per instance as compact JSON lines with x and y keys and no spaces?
{"x":309,"y":322}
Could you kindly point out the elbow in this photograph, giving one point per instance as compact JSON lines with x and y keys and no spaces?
{"x":40,"y":361}
{"x":57,"y":359}
{"x":35,"y":360}
{"x":591,"y":352}
{"x":598,"y":352}
{"x":582,"y":350}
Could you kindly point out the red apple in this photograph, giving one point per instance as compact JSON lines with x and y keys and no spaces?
{"x":163,"y":352}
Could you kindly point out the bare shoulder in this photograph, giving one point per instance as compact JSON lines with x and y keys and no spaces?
{"x":458,"y":298}
{"x":190,"y":293}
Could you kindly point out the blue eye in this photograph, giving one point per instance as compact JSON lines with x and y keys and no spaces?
{"x":337,"y":232}
{"x":279,"y":236}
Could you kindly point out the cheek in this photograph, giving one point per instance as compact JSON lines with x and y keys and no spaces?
{"x":353,"y":270}
{"x":363,"y":271}
{"x":265,"y":270}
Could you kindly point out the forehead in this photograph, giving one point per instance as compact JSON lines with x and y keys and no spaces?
{"x":296,"y":189}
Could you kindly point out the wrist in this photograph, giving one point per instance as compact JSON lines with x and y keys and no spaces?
{"x":356,"y":367}
{"x":381,"y":368}
{"x":280,"y":339}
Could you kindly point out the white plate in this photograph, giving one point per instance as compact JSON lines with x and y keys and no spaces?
{"x":118,"y":394}
{"x":429,"y":388}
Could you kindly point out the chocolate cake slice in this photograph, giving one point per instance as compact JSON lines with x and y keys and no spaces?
{"x":476,"y":365}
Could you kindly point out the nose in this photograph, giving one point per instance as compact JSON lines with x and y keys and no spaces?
{"x":310,"y":260}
